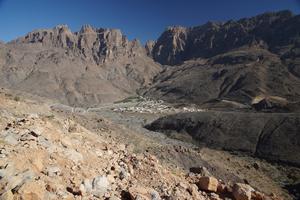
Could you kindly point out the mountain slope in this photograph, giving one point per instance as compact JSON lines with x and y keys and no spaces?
{"x":242,"y":62}
{"x":84,"y":68}
{"x":277,"y":32}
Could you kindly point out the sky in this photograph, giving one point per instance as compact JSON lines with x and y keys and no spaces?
{"x":141,"y":19}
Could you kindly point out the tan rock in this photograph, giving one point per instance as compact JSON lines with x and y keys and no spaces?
{"x":242,"y":191}
{"x":214,"y":196}
{"x":66,"y":142}
{"x":38,"y":163}
{"x":193,"y":190}
{"x":8,"y":195}
{"x":30,"y":196}
{"x":122,"y":147}
{"x":33,"y":190}
{"x":143,"y":193}
{"x":208,"y":183}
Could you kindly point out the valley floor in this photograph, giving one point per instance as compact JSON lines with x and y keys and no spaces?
{"x":51,"y":151}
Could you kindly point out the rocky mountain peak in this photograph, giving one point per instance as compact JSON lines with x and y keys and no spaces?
{"x":87,"y":29}
{"x":63,"y":28}
{"x":170,"y":45}
{"x":175,"y":29}
{"x":82,"y":68}
{"x":98,"y":45}
{"x":274,"y":30}
{"x":149,"y":47}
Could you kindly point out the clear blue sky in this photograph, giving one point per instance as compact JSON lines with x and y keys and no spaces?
{"x":142,"y":19}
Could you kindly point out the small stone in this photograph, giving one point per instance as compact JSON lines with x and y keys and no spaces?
{"x":123,"y":174}
{"x":33,"y":190}
{"x":256,"y":166}
{"x":154,"y":195}
{"x":222,"y":188}
{"x":208,"y":183}
{"x":75,"y":191}
{"x":99,"y":153}
{"x":130,"y":169}
{"x":53,"y":171}
{"x":110,"y":152}
{"x":17,"y":181}
{"x":8,"y":171}
{"x":100,"y":186}
{"x":193,"y":190}
{"x":214,"y":196}
{"x":10,"y":139}
{"x":111,"y":178}
{"x":114,"y":198}
{"x":242,"y":191}
{"x":257,"y":196}
{"x":73,"y":155}
{"x":66,"y":142}
{"x":182,"y":185}
{"x":86,"y":186}
{"x":38,"y":163}
{"x":200,"y":170}
{"x":143,"y":193}
{"x":122,"y":147}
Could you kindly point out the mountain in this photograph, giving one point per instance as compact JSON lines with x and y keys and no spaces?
{"x":236,"y":63}
{"x":272,"y":136}
{"x":278,"y":32}
{"x":83,"y":68}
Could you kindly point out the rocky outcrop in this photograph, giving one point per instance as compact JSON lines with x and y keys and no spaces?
{"x":233,"y":80}
{"x":100,"y":45}
{"x":81,"y":68}
{"x":64,"y":160}
{"x":149,"y":47}
{"x":242,"y":191}
{"x":171,"y":45}
{"x":276,"y":32}
{"x":231,"y":64}
{"x":261,"y":134}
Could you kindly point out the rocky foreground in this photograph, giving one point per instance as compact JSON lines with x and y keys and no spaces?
{"x":45,"y":155}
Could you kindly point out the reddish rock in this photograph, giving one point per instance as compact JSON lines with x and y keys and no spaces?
{"x":242,"y":191}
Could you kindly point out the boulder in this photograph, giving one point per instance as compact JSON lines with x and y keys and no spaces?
{"x":100,"y":185}
{"x":33,"y":190}
{"x":208,"y":183}
{"x":73,"y":155}
{"x":8,"y":195}
{"x":242,"y":191}
{"x":143,"y":193}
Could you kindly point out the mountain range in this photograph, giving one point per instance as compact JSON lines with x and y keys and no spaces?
{"x":85,"y":110}
{"x":234,"y":63}
{"x":84,"y":68}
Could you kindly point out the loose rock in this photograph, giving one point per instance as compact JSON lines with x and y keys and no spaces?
{"x":242,"y":191}
{"x":208,"y":183}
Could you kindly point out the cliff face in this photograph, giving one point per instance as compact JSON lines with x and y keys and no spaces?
{"x":82,"y":68}
{"x":236,"y":61}
{"x":276,"y":32}
{"x":99,"y":45}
